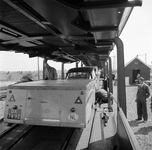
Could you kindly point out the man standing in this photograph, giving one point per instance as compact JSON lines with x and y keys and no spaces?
{"x":50,"y":73}
{"x":142,"y":94}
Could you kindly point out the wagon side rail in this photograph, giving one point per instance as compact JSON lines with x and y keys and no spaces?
{"x":126,"y":137}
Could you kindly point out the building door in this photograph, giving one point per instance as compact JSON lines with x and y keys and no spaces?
{"x":134,"y":75}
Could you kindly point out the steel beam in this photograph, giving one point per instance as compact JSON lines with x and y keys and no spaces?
{"x":100,"y":4}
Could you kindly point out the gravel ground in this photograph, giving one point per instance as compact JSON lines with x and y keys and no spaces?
{"x":142,"y":131}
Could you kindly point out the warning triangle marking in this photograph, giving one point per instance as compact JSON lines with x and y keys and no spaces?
{"x":78,"y":101}
{"x":12,"y":99}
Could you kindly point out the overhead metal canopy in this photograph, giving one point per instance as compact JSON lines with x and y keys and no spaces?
{"x":63,"y":30}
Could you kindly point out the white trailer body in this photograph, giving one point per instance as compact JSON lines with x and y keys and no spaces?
{"x":65,"y":103}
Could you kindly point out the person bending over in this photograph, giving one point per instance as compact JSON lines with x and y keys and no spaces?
{"x":102,"y":96}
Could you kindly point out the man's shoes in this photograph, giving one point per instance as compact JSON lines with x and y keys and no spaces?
{"x":144,"y":121}
{"x":138,"y":119}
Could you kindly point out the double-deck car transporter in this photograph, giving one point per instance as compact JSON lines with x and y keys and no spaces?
{"x":61,"y":114}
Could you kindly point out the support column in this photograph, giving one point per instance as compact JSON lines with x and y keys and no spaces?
{"x":44,"y":61}
{"x":62,"y":71}
{"x":38,"y":70}
{"x":81,"y":64}
{"x":105,"y":69}
{"x":77,"y":64}
{"x":121,"y":91}
{"x":110,"y":76}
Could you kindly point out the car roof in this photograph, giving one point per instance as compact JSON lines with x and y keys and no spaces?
{"x":82,"y":69}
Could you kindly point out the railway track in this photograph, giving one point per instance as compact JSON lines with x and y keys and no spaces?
{"x":35,"y":137}
{"x":25,"y":137}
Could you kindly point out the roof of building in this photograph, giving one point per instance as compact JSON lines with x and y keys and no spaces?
{"x":138,"y":60}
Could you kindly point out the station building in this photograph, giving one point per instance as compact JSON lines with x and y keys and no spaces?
{"x":135,"y":67}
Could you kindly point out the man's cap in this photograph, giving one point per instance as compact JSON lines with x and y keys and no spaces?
{"x":141,"y":78}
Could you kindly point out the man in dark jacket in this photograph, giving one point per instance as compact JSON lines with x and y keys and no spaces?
{"x":142,"y":94}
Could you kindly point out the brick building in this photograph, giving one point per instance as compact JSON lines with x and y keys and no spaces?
{"x":135,"y":67}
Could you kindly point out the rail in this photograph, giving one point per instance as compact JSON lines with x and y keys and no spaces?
{"x":49,"y":138}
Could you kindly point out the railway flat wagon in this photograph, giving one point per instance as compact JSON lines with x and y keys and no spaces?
{"x":65,"y":103}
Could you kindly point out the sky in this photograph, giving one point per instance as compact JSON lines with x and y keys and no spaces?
{"x":137,"y":34}
{"x":10,"y":61}
{"x":136,"y":37}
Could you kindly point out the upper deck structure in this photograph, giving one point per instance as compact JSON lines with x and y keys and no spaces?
{"x":63,"y":30}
